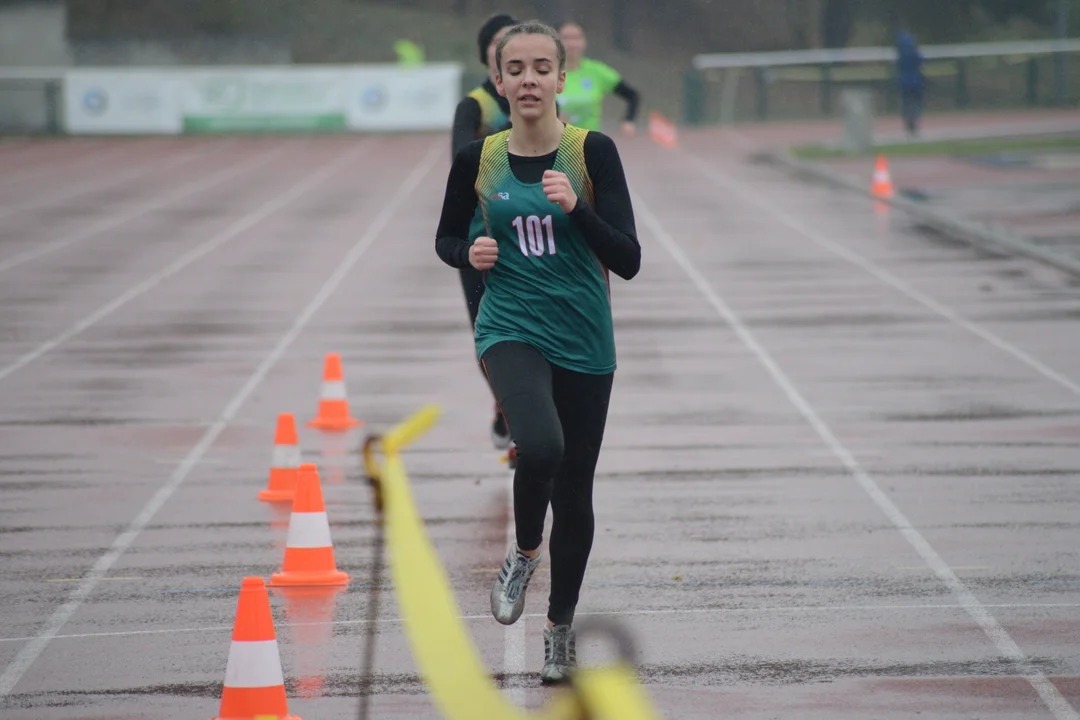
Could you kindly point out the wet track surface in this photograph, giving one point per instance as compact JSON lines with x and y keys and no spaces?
{"x":1035,"y":195}
{"x":839,"y":477}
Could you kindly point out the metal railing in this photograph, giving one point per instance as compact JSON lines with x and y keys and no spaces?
{"x":868,"y":67}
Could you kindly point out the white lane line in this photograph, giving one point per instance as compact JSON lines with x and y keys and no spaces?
{"x":244,"y":223}
{"x":30,"y":652}
{"x":113,"y":579}
{"x":1046,"y":690}
{"x":102,"y":184}
{"x":112,"y":221}
{"x":806,"y":230}
{"x":776,"y":610}
{"x":513,"y":635}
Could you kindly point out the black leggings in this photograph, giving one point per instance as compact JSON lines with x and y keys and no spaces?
{"x":557,"y":418}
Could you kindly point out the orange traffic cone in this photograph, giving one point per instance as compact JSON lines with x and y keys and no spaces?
{"x":333,"y":401}
{"x":662,"y":130}
{"x":254,"y":682}
{"x":881,"y":186}
{"x":285,"y":462}
{"x":309,"y":552}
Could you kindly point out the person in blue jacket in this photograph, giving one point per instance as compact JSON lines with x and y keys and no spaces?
{"x":910,"y":78}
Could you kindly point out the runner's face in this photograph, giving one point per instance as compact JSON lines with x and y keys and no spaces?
{"x":530,"y":77}
{"x":573,"y":38}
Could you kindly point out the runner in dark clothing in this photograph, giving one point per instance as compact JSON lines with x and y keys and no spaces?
{"x":480,"y":113}
{"x":557,"y":218}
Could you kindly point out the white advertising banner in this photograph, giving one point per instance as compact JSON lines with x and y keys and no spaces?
{"x":292,"y":98}
{"x":358,"y":98}
{"x":388,"y":98}
{"x":124,"y":102}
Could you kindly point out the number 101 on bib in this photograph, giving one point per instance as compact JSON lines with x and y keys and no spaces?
{"x":532,"y":234}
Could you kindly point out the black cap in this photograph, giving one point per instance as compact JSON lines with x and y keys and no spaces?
{"x":492,"y":25}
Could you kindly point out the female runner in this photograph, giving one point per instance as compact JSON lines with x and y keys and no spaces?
{"x":557,"y":217}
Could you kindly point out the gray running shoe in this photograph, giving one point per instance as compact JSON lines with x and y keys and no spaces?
{"x":508,"y":592}
{"x":560,"y":654}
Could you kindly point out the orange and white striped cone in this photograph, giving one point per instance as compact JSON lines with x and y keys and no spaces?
{"x":881,"y":186}
{"x":333,"y":412}
{"x":284,"y":463}
{"x":254,"y":682}
{"x":309,"y":551}
{"x":662,"y":131}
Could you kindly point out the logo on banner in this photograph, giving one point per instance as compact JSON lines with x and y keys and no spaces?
{"x":95,"y":101}
{"x":225,"y":94}
{"x":373,"y":97}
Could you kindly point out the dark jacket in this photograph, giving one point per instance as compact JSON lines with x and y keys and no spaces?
{"x":908,"y":62}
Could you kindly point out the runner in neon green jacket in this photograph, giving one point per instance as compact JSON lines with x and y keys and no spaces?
{"x":588,"y":82}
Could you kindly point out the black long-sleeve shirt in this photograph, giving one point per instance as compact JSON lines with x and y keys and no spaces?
{"x":609,"y":228}
{"x":632,"y":98}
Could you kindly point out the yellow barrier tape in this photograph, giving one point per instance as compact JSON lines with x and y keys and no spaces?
{"x":447,"y":659}
{"x":408,"y":431}
{"x":613,"y":693}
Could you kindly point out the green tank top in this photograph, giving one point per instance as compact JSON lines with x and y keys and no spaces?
{"x":548,"y":288}
{"x":492,"y":118}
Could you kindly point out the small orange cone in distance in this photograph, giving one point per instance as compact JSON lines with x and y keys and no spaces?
{"x":284,"y":463}
{"x":333,"y":412}
{"x":881,"y":186}
{"x":254,"y":682}
{"x":661,"y":130}
{"x":309,"y":552}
